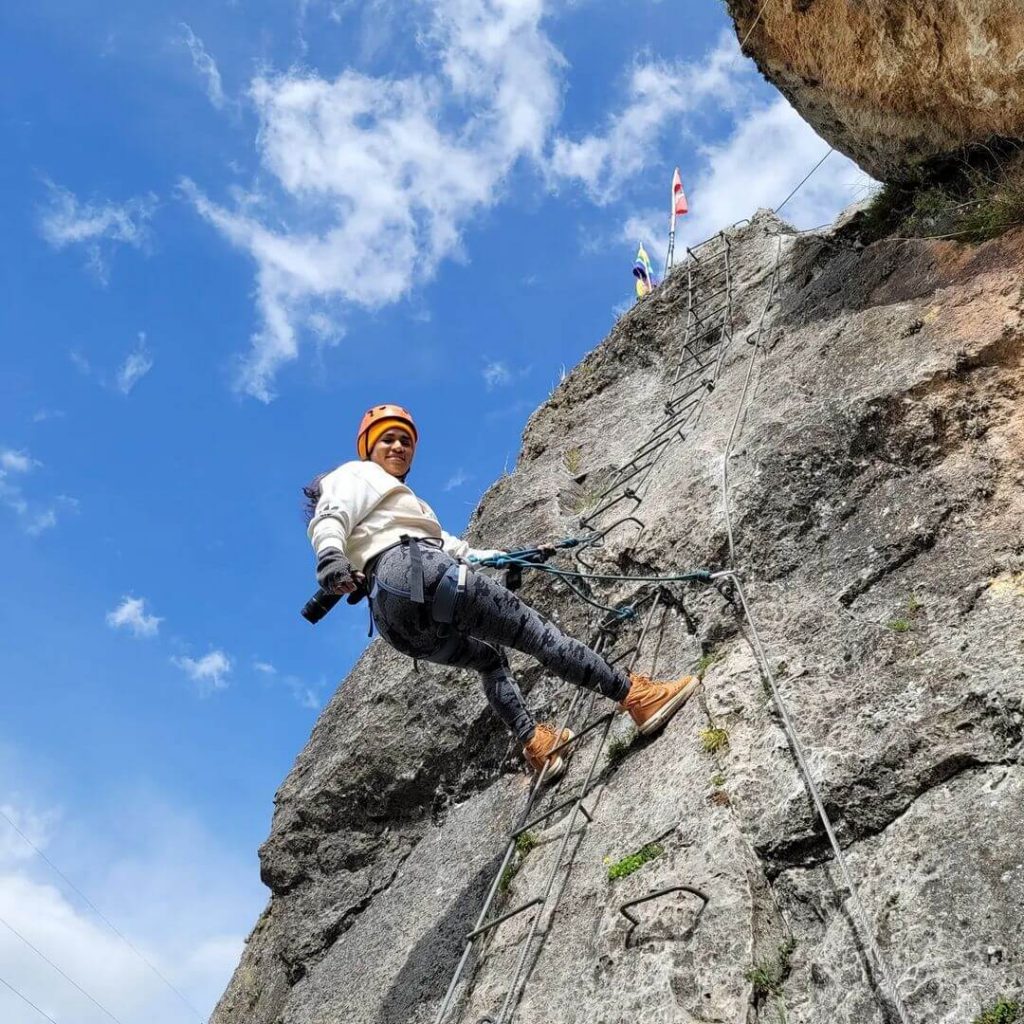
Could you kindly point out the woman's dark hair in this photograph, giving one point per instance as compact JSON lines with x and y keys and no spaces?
{"x":312,"y":491}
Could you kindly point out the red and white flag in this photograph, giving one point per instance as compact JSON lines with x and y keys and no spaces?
{"x":679,"y":204}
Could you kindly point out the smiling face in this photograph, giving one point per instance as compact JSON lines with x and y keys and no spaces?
{"x":394,"y":451}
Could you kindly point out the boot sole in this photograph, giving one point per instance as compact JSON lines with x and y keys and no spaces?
{"x":663,"y":714}
{"x":557,"y":769}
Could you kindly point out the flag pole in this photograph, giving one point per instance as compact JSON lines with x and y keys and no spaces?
{"x":671,"y":254}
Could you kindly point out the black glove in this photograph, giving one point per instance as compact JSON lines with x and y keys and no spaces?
{"x":334,"y":573}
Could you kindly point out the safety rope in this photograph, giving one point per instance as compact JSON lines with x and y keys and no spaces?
{"x":741,"y":405}
{"x":627,"y":611}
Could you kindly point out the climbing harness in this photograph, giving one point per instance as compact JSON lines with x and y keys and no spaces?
{"x":441,"y":604}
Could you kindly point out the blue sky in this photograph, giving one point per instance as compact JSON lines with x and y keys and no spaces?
{"x":228,"y":229}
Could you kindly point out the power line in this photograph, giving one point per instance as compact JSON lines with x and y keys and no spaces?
{"x":92,"y":906}
{"x":25,"y":999}
{"x":807,"y":178}
{"x":14,"y":931}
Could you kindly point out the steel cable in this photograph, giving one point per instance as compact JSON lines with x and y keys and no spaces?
{"x":867,"y":933}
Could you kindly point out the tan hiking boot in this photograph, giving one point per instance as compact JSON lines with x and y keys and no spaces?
{"x":651,"y":704}
{"x":538,"y":751}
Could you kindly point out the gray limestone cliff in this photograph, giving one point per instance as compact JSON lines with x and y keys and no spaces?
{"x":876,"y":489}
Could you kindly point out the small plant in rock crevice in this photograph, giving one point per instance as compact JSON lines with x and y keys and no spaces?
{"x":706,"y":661}
{"x":573,"y":460}
{"x":1003,"y":1011}
{"x":972,"y":201}
{"x":714,"y":739}
{"x":584,"y":498}
{"x":767,"y":976}
{"x":905,"y":623}
{"x":524,"y":844}
{"x":635,"y":861}
{"x":618,"y":751}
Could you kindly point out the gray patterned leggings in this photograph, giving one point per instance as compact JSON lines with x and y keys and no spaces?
{"x":487,"y":618}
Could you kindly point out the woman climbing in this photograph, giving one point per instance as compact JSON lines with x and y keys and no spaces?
{"x":371,"y":533}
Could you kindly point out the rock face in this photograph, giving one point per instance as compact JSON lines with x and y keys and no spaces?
{"x":876,"y":489}
{"x":894,"y":83}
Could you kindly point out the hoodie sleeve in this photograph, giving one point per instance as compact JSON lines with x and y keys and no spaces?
{"x":347,"y":495}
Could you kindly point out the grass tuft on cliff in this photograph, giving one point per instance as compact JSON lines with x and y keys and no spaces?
{"x":768,"y":976}
{"x":1004,"y":1011}
{"x":972,"y":201}
{"x":635,"y":861}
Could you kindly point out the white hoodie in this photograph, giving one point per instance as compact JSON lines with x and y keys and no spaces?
{"x":363,"y":509}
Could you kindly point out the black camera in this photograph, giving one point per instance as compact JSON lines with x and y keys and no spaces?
{"x":319,"y":605}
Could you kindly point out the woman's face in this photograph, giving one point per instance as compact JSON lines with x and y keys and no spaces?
{"x":394,"y":451}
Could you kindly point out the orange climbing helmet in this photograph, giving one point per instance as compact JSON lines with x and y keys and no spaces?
{"x":376,"y":421}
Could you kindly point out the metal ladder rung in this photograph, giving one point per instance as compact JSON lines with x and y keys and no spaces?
{"x":547,"y":814}
{"x":714,"y":295}
{"x":715,"y":312}
{"x":583,"y":732}
{"x":723,"y":272}
{"x":501,"y":920}
{"x":611,"y":504}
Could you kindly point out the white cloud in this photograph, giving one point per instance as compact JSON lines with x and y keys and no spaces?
{"x":457,"y":479}
{"x":41,"y":521}
{"x":360,"y":162}
{"x":496,"y":374}
{"x":131,"y":614}
{"x":210,"y":671}
{"x":659,"y":95}
{"x":731,"y":185}
{"x":135,"y":366}
{"x":765,"y":154}
{"x":15,"y":462}
{"x":305,"y":695}
{"x":205,"y":66}
{"x":181,"y":900}
{"x":33,"y":519}
{"x":43,"y":415}
{"x":81,"y":363}
{"x":69,"y":221}
{"x":35,"y":826}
